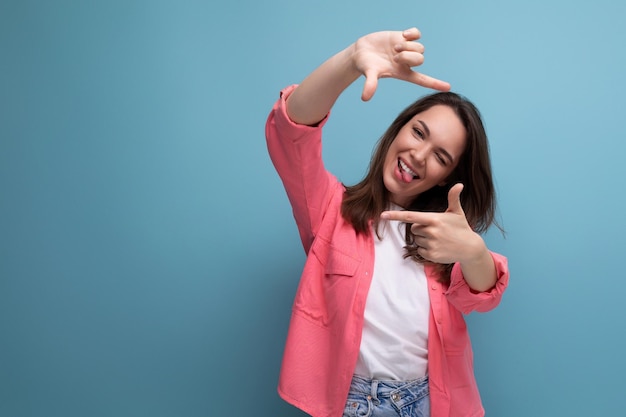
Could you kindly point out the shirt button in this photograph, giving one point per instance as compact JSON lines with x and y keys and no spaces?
{"x":434,"y":287}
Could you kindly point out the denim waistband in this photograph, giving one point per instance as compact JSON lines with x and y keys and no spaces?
{"x":401,"y":392}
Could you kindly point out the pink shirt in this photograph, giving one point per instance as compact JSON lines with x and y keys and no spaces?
{"x":327,"y":319}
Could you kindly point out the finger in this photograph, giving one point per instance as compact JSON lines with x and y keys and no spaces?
{"x":415,"y":217}
{"x":410,"y":58}
{"x":428,"y":82}
{"x":423,"y":252}
{"x":409,"y":46}
{"x":454,"y":199}
{"x":419,"y":234}
{"x":421,"y":244}
{"x":411,"y":34}
{"x":369,"y":88}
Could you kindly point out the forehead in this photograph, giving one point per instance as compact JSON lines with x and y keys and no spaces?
{"x":439,"y":113}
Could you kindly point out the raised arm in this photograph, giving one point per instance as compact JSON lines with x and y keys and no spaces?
{"x":390,"y":54}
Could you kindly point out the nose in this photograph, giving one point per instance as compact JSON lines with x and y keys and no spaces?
{"x":420,"y":153}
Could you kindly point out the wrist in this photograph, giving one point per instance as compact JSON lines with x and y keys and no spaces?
{"x":477,"y":251}
{"x":346,"y":64}
{"x":479,"y":269}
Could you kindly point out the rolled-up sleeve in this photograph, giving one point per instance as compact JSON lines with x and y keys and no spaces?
{"x":463,"y":298}
{"x":296,"y":152}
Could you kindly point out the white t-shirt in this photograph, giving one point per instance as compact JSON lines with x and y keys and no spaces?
{"x":395,"y":332}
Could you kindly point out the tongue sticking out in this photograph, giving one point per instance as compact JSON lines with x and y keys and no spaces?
{"x":405,"y":172}
{"x":406,"y":177}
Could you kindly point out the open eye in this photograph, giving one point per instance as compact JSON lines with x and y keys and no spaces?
{"x":418,"y":133}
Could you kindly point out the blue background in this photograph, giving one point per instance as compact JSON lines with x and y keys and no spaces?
{"x":148,"y":257}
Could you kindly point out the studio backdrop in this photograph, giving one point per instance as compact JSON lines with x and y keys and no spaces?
{"x":148,"y":254}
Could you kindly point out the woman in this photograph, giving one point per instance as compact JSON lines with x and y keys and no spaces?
{"x":395,"y":261}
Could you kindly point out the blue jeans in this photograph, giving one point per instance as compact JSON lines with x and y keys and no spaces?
{"x":374,"y":398}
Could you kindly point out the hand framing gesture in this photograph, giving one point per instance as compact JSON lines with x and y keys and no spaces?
{"x":443,"y":237}
{"x":392,"y":54}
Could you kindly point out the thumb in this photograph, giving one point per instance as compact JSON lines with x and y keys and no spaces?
{"x":371,"y":82}
{"x":454,"y":199}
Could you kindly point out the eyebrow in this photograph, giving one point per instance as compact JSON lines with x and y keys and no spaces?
{"x":442,"y":150}
{"x":425,"y":127}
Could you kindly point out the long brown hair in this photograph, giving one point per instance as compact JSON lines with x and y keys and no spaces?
{"x":364,"y":202}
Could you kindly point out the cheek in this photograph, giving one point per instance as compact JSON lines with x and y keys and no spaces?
{"x":390,"y":160}
{"x":442,"y":173}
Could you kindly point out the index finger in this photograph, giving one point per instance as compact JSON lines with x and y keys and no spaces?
{"x":415,"y":217}
{"x":428,"y":81}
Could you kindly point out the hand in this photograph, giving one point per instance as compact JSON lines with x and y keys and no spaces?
{"x":443,"y":237}
{"x":392,"y":54}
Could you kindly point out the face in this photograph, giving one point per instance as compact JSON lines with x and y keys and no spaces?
{"x":423,"y":154}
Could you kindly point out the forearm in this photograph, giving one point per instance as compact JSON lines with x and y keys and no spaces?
{"x":480,"y":271}
{"x":315,"y":96}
